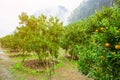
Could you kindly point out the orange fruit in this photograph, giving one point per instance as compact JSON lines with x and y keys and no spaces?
{"x":96,"y":30}
{"x":117,"y":31}
{"x":102,"y":57}
{"x":107,"y":45}
{"x":102,"y":28}
{"x":117,"y":46}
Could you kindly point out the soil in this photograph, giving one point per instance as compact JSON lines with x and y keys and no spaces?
{"x":36,"y":65}
{"x":68,"y":72}
{"x":14,"y":55}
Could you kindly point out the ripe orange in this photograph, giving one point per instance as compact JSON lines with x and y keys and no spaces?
{"x":117,"y":30}
{"x":107,"y":45}
{"x":102,"y":28}
{"x":96,"y":30}
{"x":117,"y":46}
{"x":102,"y":57}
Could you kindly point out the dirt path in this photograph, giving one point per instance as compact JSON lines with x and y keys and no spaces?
{"x":69,"y":72}
{"x":4,"y":67}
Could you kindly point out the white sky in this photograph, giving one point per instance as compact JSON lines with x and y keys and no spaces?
{"x":10,"y":9}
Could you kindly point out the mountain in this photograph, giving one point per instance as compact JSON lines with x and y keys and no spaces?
{"x":87,"y":8}
{"x":59,"y":11}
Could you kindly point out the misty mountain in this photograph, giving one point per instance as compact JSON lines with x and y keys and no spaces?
{"x":87,"y":8}
{"x":59,"y":11}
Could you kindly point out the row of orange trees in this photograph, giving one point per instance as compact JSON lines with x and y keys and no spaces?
{"x":96,"y":42}
{"x":41,"y":35}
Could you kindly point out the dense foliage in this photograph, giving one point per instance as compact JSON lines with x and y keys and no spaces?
{"x":96,"y":40}
{"x":101,"y":57}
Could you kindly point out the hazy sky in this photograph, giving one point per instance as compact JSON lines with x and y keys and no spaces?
{"x":10,"y":9}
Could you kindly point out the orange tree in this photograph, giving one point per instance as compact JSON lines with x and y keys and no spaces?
{"x":101,"y":58}
{"x":75,"y":36}
{"x":10,"y":42}
{"x":41,"y":35}
{"x":4,"y":41}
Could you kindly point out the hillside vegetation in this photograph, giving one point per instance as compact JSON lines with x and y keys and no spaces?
{"x":87,"y":8}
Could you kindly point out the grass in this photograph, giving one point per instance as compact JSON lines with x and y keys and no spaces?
{"x":24,"y":72}
{"x":20,"y":67}
{"x":5,"y":50}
